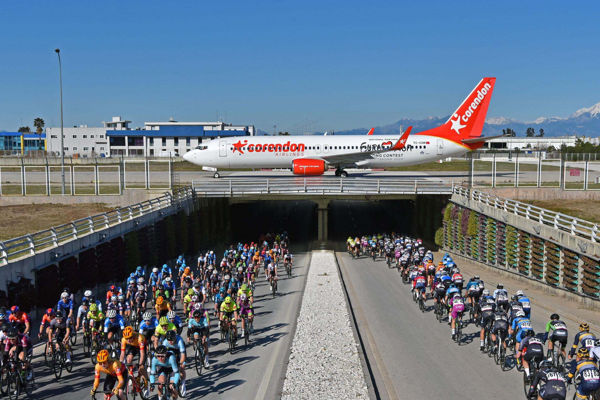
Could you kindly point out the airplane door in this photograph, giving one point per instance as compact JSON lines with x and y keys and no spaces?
{"x":223,"y":148}
{"x":325,"y":148}
{"x":440,"y":147}
{"x":318,"y":148}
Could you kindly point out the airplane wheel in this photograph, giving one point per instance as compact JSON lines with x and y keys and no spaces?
{"x":216,"y":175}
{"x":343,"y":174}
{"x":337,"y":172}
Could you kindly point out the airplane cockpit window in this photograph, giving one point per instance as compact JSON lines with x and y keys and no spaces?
{"x":201,"y":147}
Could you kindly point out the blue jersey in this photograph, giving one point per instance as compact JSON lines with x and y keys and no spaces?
{"x":203,"y":323}
{"x":169,"y":362}
{"x":169,"y":286}
{"x":525,"y":302}
{"x":522,"y":324}
{"x":473,"y":286}
{"x":177,"y":321}
{"x":154,"y":278}
{"x":64,"y":307}
{"x":450,"y":291}
{"x":177,"y":348}
{"x":119,"y":322}
{"x":152,"y":324}
{"x":219,"y":298}
{"x":234,"y":285}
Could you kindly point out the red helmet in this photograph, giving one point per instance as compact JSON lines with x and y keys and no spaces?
{"x":113,"y":288}
{"x":14,"y":309}
{"x":50,"y":311}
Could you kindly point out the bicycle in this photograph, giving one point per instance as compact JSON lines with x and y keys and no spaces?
{"x":557,"y":357}
{"x":500,"y":353}
{"x":274,"y":286}
{"x":13,"y":379}
{"x":288,"y":268}
{"x":458,"y":330}
{"x":527,"y":379}
{"x":87,"y":337}
{"x":232,"y":338}
{"x":198,"y":355}
{"x":135,"y":384}
{"x":98,"y":343}
{"x":48,"y":351}
{"x":73,"y":335}
{"x":421,"y":301}
{"x":247,"y":332}
{"x":59,"y":358}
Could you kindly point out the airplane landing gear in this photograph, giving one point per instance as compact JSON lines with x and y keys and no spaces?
{"x":340,"y":172}
{"x":216,"y":175}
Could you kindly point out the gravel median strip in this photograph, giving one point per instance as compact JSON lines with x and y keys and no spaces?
{"x":324,"y":361}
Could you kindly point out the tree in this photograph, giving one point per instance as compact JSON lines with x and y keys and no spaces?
{"x":509,"y":132}
{"x":24,"y":129}
{"x":542,"y":133}
{"x":39,"y":128}
{"x":530,"y":132}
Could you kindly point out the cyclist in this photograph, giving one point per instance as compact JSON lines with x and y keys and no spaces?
{"x":500,"y":327}
{"x":457,"y":279}
{"x":20,"y":320}
{"x":457,"y":305}
{"x":163,"y":327}
{"x":87,"y":295}
{"x":163,"y":365}
{"x":487,"y":307}
{"x":45,"y":326}
{"x":229,"y":310}
{"x":18,"y":345}
{"x":219,"y":298}
{"x":187,"y":299}
{"x":148,"y":325}
{"x":169,"y":285}
{"x":115,"y":371}
{"x":520,"y":326}
{"x":82,"y":312}
{"x":245,"y":307}
{"x":419,"y":284}
{"x":134,"y":344}
{"x":531,"y":347}
{"x":175,"y":320}
{"x":585,"y":338}
{"x":557,"y":331}
{"x":162,"y":307}
{"x":114,"y":291}
{"x":175,"y":344}
{"x":61,"y":330}
{"x":473,"y":294}
{"x":551,"y":382}
{"x":65,"y":304}
{"x":514,"y":307}
{"x":199,"y":327}
{"x":525,"y":302}
{"x":96,"y":317}
{"x":585,"y":370}
{"x":113,"y":324}
{"x":154,"y":279}
{"x":272,"y":276}
{"x":501,"y":297}
{"x":124,"y":306}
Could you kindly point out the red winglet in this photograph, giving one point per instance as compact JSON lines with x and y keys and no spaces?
{"x":371,"y":131}
{"x":402,"y":141}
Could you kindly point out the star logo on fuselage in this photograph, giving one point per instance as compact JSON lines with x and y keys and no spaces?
{"x":456,"y":126}
{"x":239,"y":146}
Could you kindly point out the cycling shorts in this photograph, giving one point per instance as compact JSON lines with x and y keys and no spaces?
{"x":110,"y":380}
{"x":556,"y":391}
{"x":562,"y":339}
{"x":431,"y":272}
{"x":114,"y":329}
{"x":230,"y":316}
{"x":457,"y":311}
{"x":498,"y":326}
{"x":585,"y":388}
{"x":459,"y":286}
{"x":475,"y":295}
{"x":246,"y":311}
{"x":134,"y":351}
{"x":486,"y":319}
{"x":532,"y":352}
{"x":201,"y":331}
{"x":166,"y":371}
{"x":521,"y":335}
{"x":148,"y":333}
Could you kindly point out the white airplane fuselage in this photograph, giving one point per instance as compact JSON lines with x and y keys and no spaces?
{"x":281,"y":151}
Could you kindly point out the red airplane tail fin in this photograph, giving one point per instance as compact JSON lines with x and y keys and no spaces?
{"x":467,"y":121}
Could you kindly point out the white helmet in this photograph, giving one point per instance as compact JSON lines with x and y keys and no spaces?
{"x":520,"y":293}
{"x":240,"y":269}
{"x":486,"y":292}
{"x":111,"y":314}
{"x":210,"y":267}
{"x":227,"y":277}
{"x":87,"y":293}
{"x":214,"y":272}
{"x":121,"y":297}
{"x":171,"y":314}
{"x":155,"y":270}
{"x":141,"y":280}
{"x":168,"y":279}
{"x":147,"y":316}
{"x":64,"y":295}
{"x":113,"y":298}
{"x":211,"y":252}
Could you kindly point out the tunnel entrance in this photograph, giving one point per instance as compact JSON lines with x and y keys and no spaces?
{"x":358,"y":218}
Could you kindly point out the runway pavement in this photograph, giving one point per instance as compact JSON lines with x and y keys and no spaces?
{"x":253,"y":372}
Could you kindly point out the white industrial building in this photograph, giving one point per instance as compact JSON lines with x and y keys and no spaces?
{"x":537,"y":143}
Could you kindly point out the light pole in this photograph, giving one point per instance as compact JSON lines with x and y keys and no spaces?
{"x":274,"y":126}
{"x":62,"y":135}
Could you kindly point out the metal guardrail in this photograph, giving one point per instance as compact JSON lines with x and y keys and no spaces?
{"x":235,"y":187}
{"x":574,"y":226}
{"x":33,"y":243}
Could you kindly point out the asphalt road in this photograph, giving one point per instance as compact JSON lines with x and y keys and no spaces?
{"x":412,"y":354}
{"x":252,"y":372}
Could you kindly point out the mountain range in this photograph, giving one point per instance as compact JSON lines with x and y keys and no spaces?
{"x":583,"y":122}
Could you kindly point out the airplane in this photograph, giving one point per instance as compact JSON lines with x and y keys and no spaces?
{"x":313,"y":155}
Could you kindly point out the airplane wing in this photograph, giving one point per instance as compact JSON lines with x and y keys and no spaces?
{"x":351,"y":158}
{"x":482,"y":139}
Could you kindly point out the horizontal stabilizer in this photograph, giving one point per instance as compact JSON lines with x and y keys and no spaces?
{"x":482,"y":139}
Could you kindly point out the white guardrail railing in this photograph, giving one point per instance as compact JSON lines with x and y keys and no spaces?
{"x":574,"y":226}
{"x":33,"y":243}
{"x":317,"y":186}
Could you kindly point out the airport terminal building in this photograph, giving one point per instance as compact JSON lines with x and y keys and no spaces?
{"x":156,"y":139}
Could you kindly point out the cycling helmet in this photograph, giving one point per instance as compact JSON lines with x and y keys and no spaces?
{"x":127,"y":332}
{"x":85,"y":303}
{"x":583,"y":352}
{"x":456,"y":270}
{"x":171,"y":335}
{"x":531,"y":333}
{"x":456,"y":295}
{"x":110,"y":314}
{"x":190,"y":292}
{"x":132,"y":275}
{"x":4,"y":327}
{"x":195,"y":298}
{"x":102,"y":356}
{"x":155,"y":270}
{"x":514,"y":297}
{"x":141,"y":280}
{"x":121,"y":297}
{"x":168,"y":279}
{"x":500,"y":286}
{"x":165,"y":267}
{"x":141,"y":288}
{"x":476,"y":277}
{"x":222,"y":290}
{"x":554,"y":317}
{"x":161,"y":350}
{"x":197,"y":285}
{"x":139,"y":269}
{"x":520,"y":314}
{"x":59,"y":315}
{"x":520,"y":293}
{"x":186,"y":270}
{"x":159,"y":300}
{"x":227,"y":277}
{"x":486,"y":292}
{"x":87,"y":293}
{"x":227,"y":300}
{"x":244,"y":287}
{"x":171,"y":315}
{"x":490,"y":301}
{"x":451,"y":264}
{"x":113,"y":298}
{"x":160,"y":286}
{"x":49,"y":311}
{"x":147,"y":316}
{"x":545,"y":364}
{"x":452,"y":285}
{"x":214,"y":272}
{"x":163,"y":321}
{"x":113,"y":288}
{"x":584,"y":327}
{"x":14,"y":309}
{"x":240,"y":269}
{"x":197,"y":314}
{"x":243,"y":297}
{"x":93,"y":307}
{"x":210,"y":267}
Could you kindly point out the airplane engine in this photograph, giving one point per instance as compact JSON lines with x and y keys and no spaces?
{"x":307,"y":166}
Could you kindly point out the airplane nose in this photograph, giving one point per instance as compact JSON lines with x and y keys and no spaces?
{"x":187,"y":156}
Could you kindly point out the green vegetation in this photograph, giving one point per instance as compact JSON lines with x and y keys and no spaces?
{"x":588,"y":210}
{"x":439,"y":237}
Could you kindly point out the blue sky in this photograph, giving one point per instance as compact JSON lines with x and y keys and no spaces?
{"x":346,"y":64}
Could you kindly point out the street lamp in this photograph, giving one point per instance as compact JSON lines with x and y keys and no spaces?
{"x":62,"y":135}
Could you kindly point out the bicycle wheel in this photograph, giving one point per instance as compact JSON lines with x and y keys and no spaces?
{"x":68,"y":366}
{"x":48,"y":357}
{"x":13,"y":386}
{"x":57,"y":363}
{"x":459,"y":333}
{"x":246,"y":333}
{"x":181,"y":394}
{"x":131,"y":393}
{"x":30,"y":384}
{"x":526,"y":383}
{"x":87,"y":344}
{"x":232,"y":339}
{"x":199,"y":361}
{"x":497,"y":355}
{"x":73,"y":337}
{"x":4,"y":375}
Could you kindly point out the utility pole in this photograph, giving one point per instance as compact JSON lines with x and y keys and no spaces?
{"x":274,"y":126}
{"x":62,"y":135}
